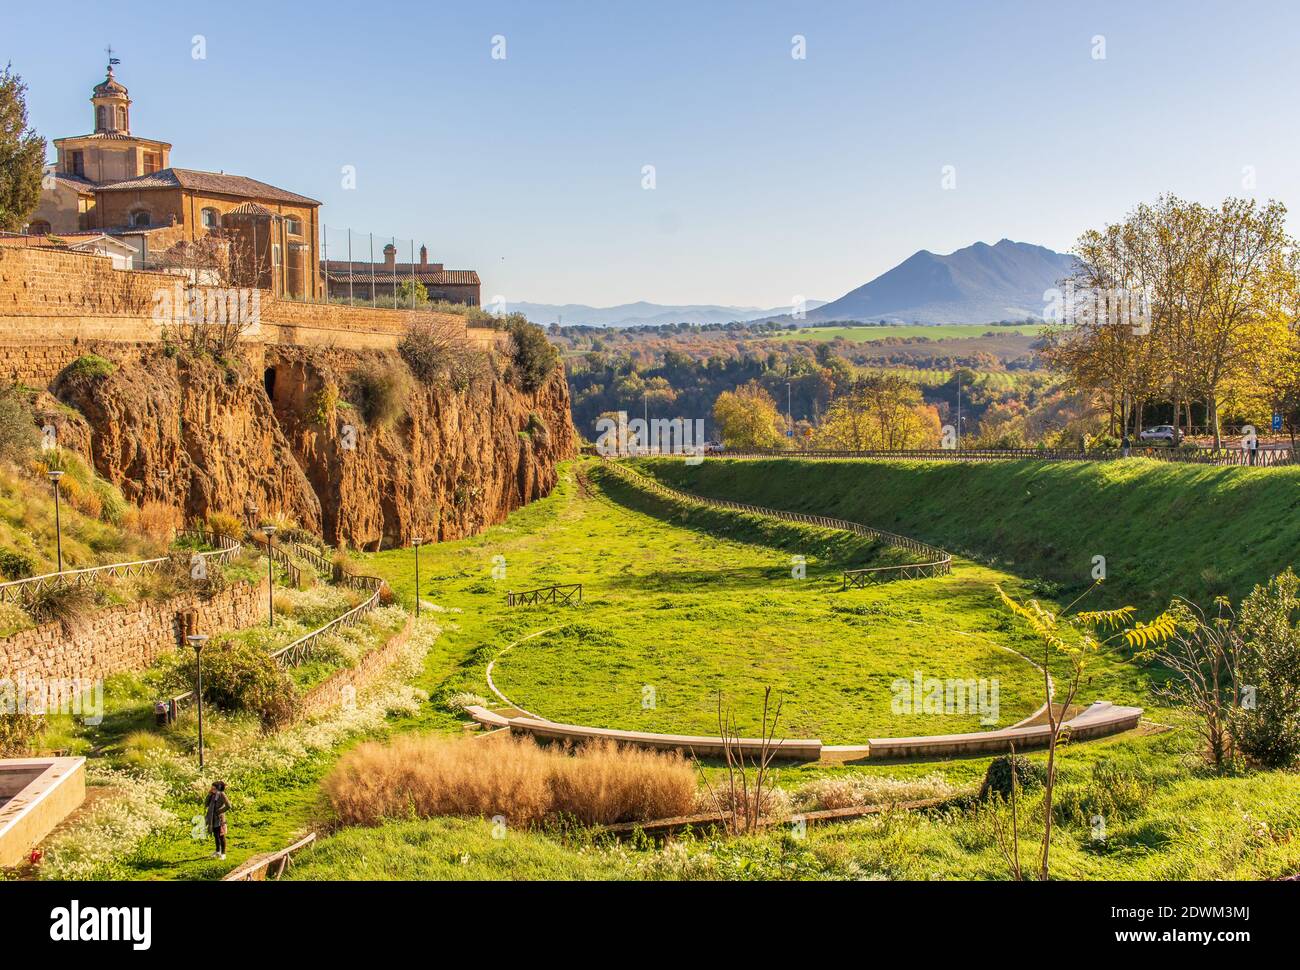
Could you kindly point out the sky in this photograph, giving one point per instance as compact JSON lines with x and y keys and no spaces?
{"x":904,"y":126}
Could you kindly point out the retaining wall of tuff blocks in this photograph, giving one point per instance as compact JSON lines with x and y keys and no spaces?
{"x":57,"y":305}
{"x":127,"y":637}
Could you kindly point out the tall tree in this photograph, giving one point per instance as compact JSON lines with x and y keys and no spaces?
{"x":22,"y":155}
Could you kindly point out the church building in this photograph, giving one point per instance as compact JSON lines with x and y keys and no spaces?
{"x":112,"y":182}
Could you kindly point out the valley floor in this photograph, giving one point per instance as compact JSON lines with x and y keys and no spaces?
{"x":681,"y":603}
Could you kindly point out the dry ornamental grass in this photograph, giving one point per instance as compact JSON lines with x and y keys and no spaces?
{"x":427,"y":776}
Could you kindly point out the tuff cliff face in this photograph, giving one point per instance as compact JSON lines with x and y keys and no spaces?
{"x":281,"y":432}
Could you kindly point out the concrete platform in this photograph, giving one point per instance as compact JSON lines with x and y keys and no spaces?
{"x":36,"y":794}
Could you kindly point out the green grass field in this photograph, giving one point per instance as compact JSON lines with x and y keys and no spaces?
{"x":688,"y":600}
{"x":904,"y":331}
{"x":681,"y":602}
{"x":1164,"y":529}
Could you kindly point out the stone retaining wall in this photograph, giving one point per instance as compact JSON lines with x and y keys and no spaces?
{"x":127,"y":637}
{"x":343,"y":685}
{"x":56,"y":306}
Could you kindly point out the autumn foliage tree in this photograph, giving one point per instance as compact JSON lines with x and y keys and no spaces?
{"x":748,"y":418}
{"x":1180,"y":303}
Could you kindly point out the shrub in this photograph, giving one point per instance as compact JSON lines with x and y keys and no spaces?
{"x":427,"y":350}
{"x":462,"y":699}
{"x":88,"y":367}
{"x":379,"y":391}
{"x":223,"y":523}
{"x":428,"y":776}
{"x":1269,"y":733}
{"x":533,"y":358}
{"x":18,"y":732}
{"x":238,"y":676}
{"x":158,"y":520}
{"x":66,"y":605}
{"x":1029,"y":776}
{"x":17,"y":430}
{"x":325,"y":403}
{"x":1115,"y":792}
{"x":16,"y":565}
{"x":113,"y":506}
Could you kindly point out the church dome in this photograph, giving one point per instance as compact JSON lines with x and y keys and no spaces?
{"x":109,"y":87}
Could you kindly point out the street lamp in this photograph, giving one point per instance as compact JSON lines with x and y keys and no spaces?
{"x":417,"y":543}
{"x":55,"y":475}
{"x":269,"y":530}
{"x":196,"y":640}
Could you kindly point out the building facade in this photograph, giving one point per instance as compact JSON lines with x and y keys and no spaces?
{"x":116,"y":183}
{"x":381,"y":283}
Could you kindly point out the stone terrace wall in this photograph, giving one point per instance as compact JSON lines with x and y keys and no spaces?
{"x":340,"y":685}
{"x":128,"y":637}
{"x":57,"y":305}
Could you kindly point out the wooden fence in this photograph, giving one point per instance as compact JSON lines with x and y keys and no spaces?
{"x":565,"y":594}
{"x":1264,"y":457}
{"x":860,"y":578}
{"x":24,"y":590}
{"x":271,"y":866}
{"x":938,"y":562}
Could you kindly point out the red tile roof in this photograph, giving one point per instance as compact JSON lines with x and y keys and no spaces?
{"x":216,"y":183}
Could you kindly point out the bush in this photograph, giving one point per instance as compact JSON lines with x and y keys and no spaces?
{"x":1269,"y":732}
{"x":1115,"y":792}
{"x":16,"y":565}
{"x":66,"y":605}
{"x":158,"y":520}
{"x":427,"y":350}
{"x":17,"y":427}
{"x":238,"y":676}
{"x":428,"y":776}
{"x":379,"y":391}
{"x":533,"y":358}
{"x":88,"y":367}
{"x":1029,"y":776}
{"x":18,"y":732}
{"x":223,"y":523}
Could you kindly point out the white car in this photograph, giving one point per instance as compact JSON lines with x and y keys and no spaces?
{"x":1161,"y":432}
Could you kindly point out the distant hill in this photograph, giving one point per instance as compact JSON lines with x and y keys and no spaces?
{"x":642,"y":313}
{"x":978,"y":284}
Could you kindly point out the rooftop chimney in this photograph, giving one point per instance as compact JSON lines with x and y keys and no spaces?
{"x":390,"y":256}
{"x":424,"y":255}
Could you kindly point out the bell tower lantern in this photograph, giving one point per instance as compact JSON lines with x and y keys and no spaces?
{"x":112,"y":105}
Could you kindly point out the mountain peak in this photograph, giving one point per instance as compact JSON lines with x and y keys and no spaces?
{"x":976,"y":284}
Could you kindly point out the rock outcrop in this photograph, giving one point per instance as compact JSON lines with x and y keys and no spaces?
{"x":282,"y":433}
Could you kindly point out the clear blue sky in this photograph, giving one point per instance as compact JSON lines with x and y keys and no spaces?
{"x":774,"y":176}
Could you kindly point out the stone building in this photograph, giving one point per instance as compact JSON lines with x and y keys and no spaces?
{"x":113,"y":182}
{"x":378,"y":282}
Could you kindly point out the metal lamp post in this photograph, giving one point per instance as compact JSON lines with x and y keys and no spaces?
{"x":269,"y":530}
{"x":196,"y":640}
{"x":55,"y":475}
{"x":417,"y":543}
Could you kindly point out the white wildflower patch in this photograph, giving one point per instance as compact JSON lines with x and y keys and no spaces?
{"x":92,"y":845}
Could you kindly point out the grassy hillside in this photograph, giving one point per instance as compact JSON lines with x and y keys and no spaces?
{"x":1164,"y":529}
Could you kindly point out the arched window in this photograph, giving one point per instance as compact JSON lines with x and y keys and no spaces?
{"x":141,"y":217}
{"x":121,"y":117}
{"x":101,"y":117}
{"x":293,"y":226}
{"x":39,"y":227}
{"x":211,"y":219}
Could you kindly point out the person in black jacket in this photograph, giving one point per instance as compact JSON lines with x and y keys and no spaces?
{"x":215,"y":807}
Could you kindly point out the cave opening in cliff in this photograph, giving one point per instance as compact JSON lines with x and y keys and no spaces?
{"x":268,"y":381}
